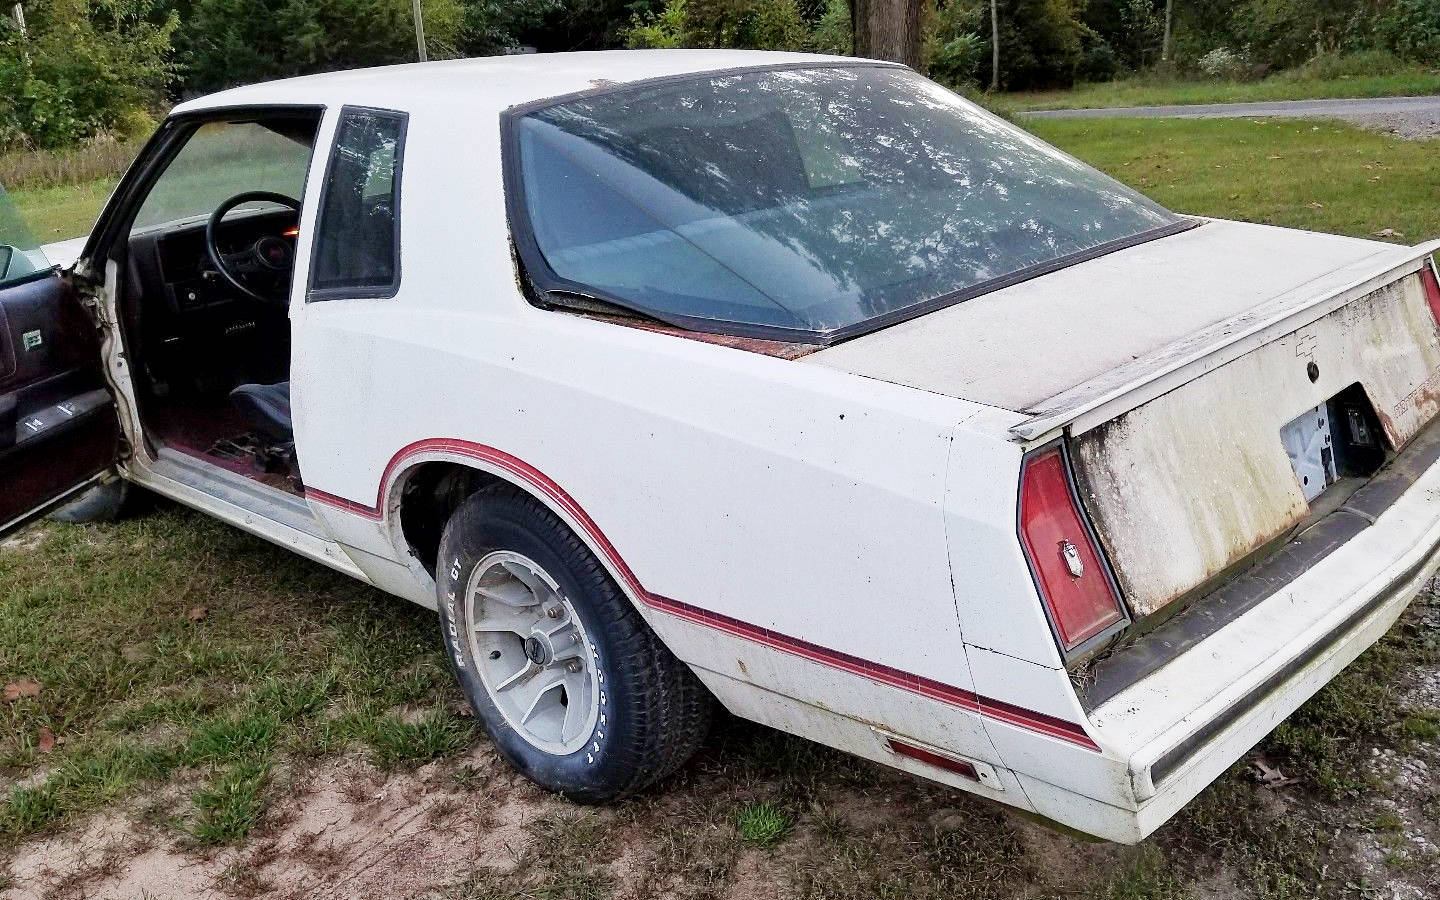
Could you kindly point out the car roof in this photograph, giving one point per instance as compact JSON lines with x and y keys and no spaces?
{"x":493,"y":81}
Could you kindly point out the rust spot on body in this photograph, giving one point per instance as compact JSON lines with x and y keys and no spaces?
{"x":778,"y":349}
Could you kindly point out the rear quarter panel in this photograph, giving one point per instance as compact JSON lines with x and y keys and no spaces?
{"x":806,"y":504}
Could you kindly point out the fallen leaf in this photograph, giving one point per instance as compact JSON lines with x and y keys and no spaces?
{"x":197,"y":613}
{"x":24,"y":687}
{"x":1270,"y":775}
{"x":1387,"y":233}
{"x":46,"y":741}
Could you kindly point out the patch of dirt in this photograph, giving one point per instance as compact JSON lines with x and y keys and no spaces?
{"x":344,"y":829}
{"x":1064,"y":861}
{"x":27,"y":539}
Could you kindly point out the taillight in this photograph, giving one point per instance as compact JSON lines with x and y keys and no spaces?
{"x":1432,"y":289}
{"x":958,"y":766}
{"x":1073,"y":583}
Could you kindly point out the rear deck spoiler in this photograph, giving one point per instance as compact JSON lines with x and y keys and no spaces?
{"x":1128,"y":386}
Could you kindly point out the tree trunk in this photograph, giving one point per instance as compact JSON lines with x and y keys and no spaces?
{"x":859,"y":30}
{"x":887,"y":29}
{"x":1165,"y":44}
{"x":994,"y":45}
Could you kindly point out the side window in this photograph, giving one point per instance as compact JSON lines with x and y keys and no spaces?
{"x":357,"y":234}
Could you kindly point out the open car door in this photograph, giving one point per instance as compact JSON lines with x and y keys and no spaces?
{"x":58,"y":429}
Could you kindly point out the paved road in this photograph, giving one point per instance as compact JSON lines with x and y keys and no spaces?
{"x":1330,"y":109}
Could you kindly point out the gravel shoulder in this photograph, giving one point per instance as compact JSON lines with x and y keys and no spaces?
{"x":1414,"y":118}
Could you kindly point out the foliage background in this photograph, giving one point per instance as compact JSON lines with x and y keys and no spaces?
{"x":88,"y":69}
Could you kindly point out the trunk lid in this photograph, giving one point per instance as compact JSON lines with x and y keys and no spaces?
{"x":1188,"y":377}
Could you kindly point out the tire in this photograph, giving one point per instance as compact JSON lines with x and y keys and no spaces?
{"x":108,"y":502}
{"x":650,"y":712}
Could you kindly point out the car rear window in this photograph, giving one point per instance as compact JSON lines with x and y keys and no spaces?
{"x":800,"y":202}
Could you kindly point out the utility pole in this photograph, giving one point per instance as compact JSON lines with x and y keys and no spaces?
{"x":419,"y":31}
{"x":18,"y":11}
{"x":995,"y":45}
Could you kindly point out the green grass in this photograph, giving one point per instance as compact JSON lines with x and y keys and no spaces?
{"x":64,"y":211}
{"x":762,"y":824}
{"x":1149,"y":876}
{"x":295,"y":663}
{"x":1155,"y":92}
{"x":232,"y":803}
{"x":291,"y":661}
{"x":1321,"y":176}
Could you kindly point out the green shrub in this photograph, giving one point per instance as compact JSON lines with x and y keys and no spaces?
{"x":664,"y":30}
{"x":954,"y":47}
{"x":832,"y":33}
{"x":1347,"y":65}
{"x":1222,"y":62}
{"x":754,"y":24}
{"x":82,"y":68}
{"x":1040,"y":42}
{"x":229,"y":42}
{"x":746,"y":24}
{"x":1411,"y":28}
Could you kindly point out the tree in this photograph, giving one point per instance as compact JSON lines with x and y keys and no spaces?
{"x":228,"y":42}
{"x":1165,"y":44}
{"x":888,"y":29}
{"x":82,"y":67}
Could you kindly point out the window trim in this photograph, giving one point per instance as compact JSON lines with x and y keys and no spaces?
{"x":371,"y":292}
{"x":116,"y":217}
{"x":538,"y":279}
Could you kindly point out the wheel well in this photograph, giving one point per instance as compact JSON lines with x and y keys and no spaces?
{"x":431,"y":493}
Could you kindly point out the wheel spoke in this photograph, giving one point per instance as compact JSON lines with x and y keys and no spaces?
{"x":577,"y":704}
{"x":528,"y":671}
{"x":539,"y":589}
{"x":546,"y":686}
{"x":508,"y":619}
{"x":511,"y":593}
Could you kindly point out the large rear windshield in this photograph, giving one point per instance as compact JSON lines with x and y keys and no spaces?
{"x":809,"y":200}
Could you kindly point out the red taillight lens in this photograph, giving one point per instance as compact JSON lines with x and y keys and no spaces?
{"x":1073,"y":584}
{"x":958,"y":766}
{"x":1432,"y":289}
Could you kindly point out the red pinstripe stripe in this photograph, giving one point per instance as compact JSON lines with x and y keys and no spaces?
{"x":998,"y":710}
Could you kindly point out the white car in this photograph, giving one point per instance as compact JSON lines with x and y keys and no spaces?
{"x":792,"y":383}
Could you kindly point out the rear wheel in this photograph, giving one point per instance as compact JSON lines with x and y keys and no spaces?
{"x":574,"y":688}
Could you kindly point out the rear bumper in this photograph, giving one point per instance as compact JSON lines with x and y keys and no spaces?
{"x":1180,"y":723}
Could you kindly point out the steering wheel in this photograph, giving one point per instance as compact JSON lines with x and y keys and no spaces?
{"x":269,"y":260}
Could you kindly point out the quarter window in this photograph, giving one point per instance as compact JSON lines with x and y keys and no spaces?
{"x":357,"y":238}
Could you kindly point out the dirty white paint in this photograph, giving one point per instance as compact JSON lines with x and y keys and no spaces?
{"x":860,"y":504}
{"x":1074,"y":325}
{"x":1195,"y":480}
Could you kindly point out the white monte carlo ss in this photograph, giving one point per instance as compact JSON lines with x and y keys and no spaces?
{"x":790,"y":383}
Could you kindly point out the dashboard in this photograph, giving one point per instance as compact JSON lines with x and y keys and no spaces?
{"x":177,"y":258}
{"x":199,"y":333}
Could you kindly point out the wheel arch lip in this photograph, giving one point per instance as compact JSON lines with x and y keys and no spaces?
{"x":494,"y":462}
{"x":529,"y":478}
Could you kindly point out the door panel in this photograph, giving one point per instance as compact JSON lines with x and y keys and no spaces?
{"x":57,"y":422}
